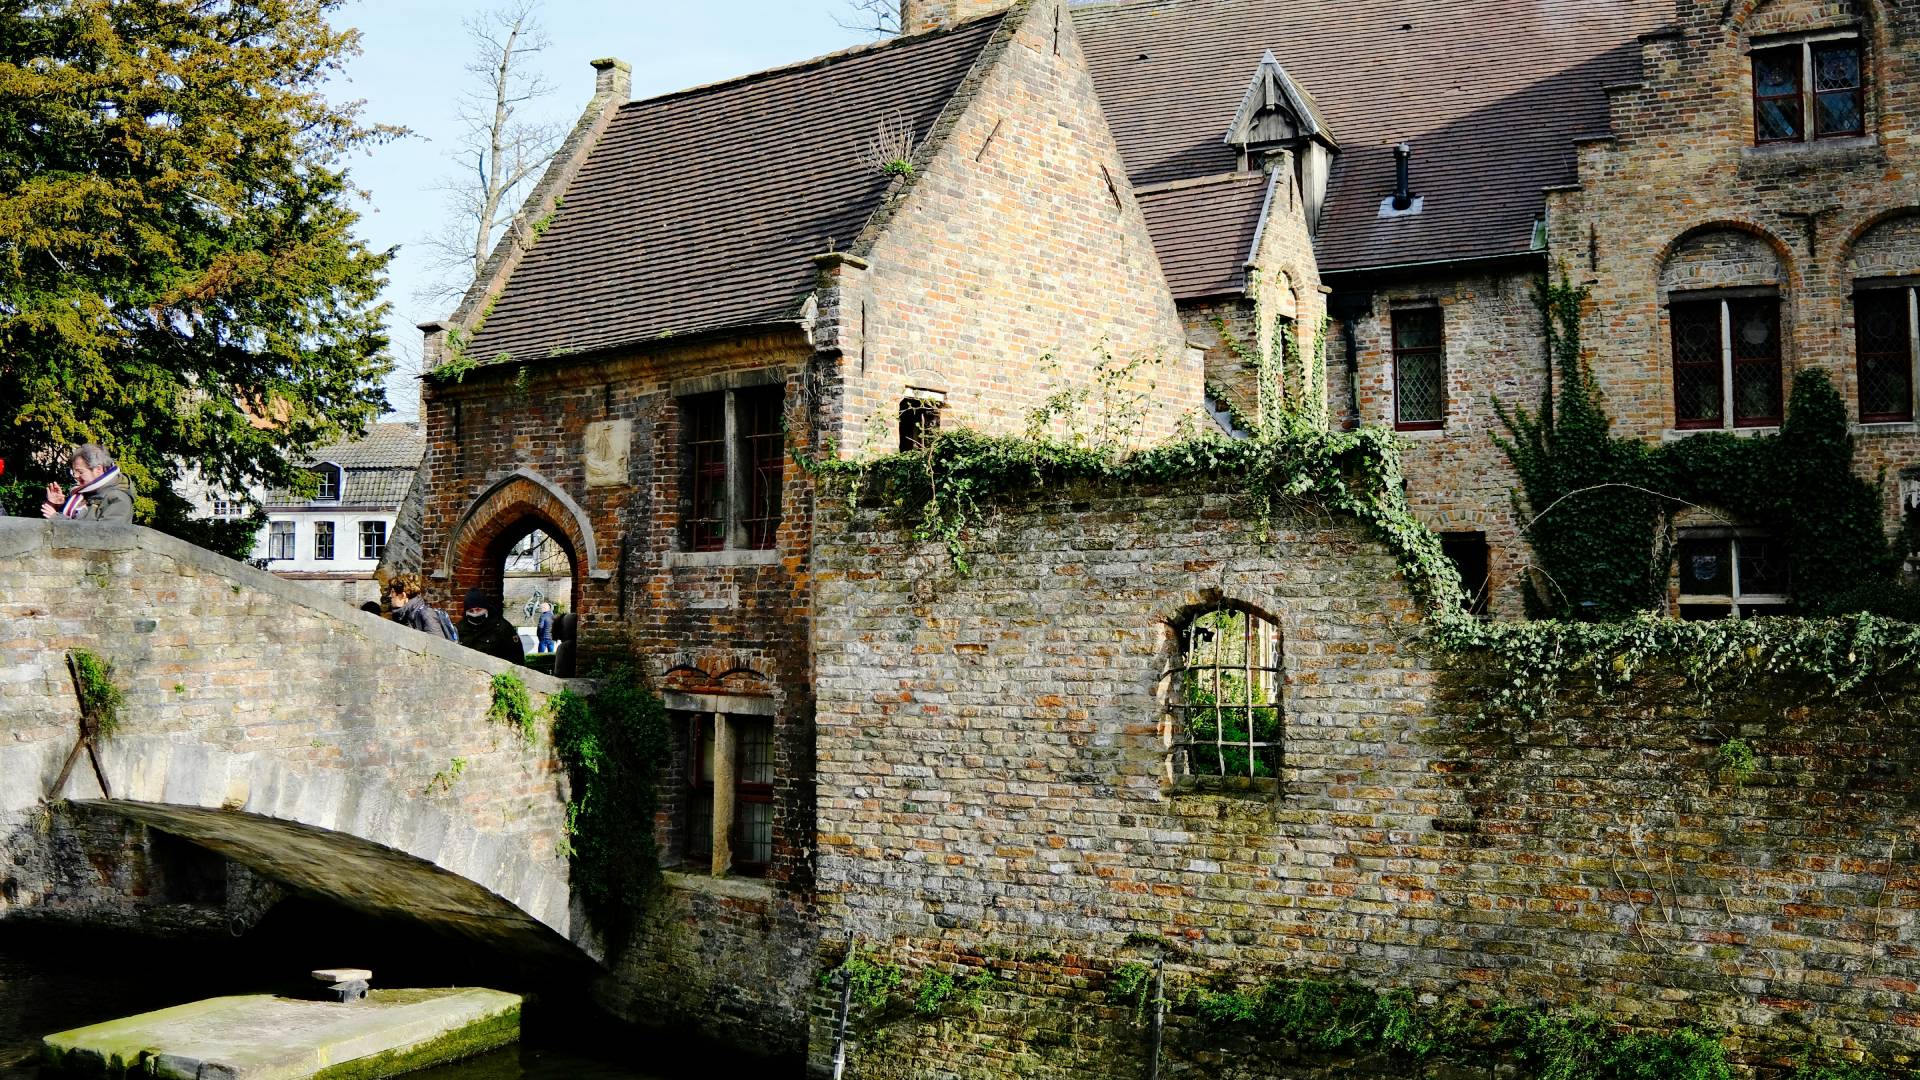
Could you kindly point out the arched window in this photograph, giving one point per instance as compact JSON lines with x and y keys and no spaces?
{"x":329,"y":488}
{"x":1226,"y":712}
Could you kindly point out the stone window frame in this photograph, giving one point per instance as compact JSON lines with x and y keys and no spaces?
{"x":727,"y":716}
{"x":1729,"y":418}
{"x":1263,"y":760}
{"x":333,"y":480}
{"x":1807,"y":95}
{"x":754,"y":461}
{"x":1738,"y":602}
{"x":1438,"y":351}
{"x":282,"y":540}
{"x":1869,"y":287}
{"x":373,"y":538}
{"x":323,"y":530}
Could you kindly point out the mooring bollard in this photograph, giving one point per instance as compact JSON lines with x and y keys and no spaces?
{"x":347,"y":985}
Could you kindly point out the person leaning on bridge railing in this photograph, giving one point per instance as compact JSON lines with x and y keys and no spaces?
{"x":481,"y":630}
{"x":411,"y":609}
{"x":100,"y":493}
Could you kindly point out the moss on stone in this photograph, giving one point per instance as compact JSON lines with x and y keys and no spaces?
{"x":488,"y":1033}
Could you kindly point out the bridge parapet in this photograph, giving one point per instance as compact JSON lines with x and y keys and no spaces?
{"x":296,"y":734}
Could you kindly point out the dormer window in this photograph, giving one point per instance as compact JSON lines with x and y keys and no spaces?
{"x":329,"y":475}
{"x":1276,"y":115}
{"x":1812,"y":88}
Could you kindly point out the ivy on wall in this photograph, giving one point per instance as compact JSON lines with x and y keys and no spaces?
{"x":612,"y":744}
{"x":1603,"y":506}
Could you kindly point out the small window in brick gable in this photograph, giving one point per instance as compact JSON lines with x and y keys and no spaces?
{"x":1886,"y":326}
{"x":1225,"y":707}
{"x":1419,"y":370}
{"x":919,"y":421}
{"x":733,"y":446}
{"x":1726,"y":361}
{"x":1813,"y":88}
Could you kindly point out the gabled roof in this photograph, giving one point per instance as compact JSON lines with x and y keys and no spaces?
{"x":1272,"y":86}
{"x":701,"y":210}
{"x":375,"y":470}
{"x":1489,"y":93}
{"x":1197,"y":223}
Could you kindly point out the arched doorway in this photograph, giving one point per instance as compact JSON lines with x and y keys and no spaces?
{"x":521,"y":542}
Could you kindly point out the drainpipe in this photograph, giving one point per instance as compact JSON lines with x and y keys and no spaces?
{"x":1350,"y":308}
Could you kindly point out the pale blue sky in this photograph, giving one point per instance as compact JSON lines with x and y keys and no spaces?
{"x":410,"y":73}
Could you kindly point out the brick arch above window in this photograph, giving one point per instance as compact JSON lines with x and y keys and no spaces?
{"x":514,"y":497}
{"x":1888,"y":245}
{"x":1724,"y":255}
{"x":1759,"y":18}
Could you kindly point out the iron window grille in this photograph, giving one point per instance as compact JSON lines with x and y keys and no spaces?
{"x":1732,"y":574}
{"x":373,"y":539}
{"x":323,"y":541}
{"x":1823,"y":79}
{"x":1886,"y":325}
{"x":734,"y":448}
{"x":1225,"y":698}
{"x":1419,"y":370}
{"x":1726,"y":362}
{"x":280,"y":540}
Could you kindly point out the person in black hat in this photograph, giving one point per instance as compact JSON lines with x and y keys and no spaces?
{"x":491,"y":634}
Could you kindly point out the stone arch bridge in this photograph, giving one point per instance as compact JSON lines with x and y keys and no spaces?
{"x":317,"y":745}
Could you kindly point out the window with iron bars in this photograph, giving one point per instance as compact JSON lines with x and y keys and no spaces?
{"x":1226,"y":699}
{"x":733,"y":444}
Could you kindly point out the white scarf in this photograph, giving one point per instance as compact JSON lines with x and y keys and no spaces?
{"x":77,"y":501}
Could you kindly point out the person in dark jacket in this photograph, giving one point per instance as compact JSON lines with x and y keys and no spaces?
{"x":481,"y":629}
{"x":410,"y":608}
{"x":544,"y":628}
{"x":100,"y":493}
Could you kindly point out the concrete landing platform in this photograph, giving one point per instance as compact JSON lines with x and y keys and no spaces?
{"x":262,"y":1037}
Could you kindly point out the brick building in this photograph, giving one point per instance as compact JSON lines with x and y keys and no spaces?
{"x":1014,"y":200}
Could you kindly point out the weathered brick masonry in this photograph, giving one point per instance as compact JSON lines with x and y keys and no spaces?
{"x":990,"y":786}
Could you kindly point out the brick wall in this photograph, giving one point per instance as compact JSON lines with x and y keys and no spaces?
{"x":1013,"y":265}
{"x":991,"y":795}
{"x":1457,"y":479}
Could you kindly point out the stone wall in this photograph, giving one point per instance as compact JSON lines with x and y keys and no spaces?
{"x":992,"y":795}
{"x":322,"y":740}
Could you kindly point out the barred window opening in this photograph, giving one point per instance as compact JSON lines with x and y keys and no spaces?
{"x":1225,"y":697}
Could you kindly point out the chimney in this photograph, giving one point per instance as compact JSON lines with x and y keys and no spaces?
{"x":1402,"y":191}
{"x":920,"y":16}
{"x":612,"y":78}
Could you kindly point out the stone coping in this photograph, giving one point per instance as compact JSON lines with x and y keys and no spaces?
{"x":25,"y":538}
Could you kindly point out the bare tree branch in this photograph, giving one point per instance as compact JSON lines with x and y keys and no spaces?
{"x":501,"y":151}
{"x":881,"y":18}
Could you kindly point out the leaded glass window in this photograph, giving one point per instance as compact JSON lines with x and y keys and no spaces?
{"x":1419,"y":369}
{"x":1883,"y":322}
{"x":1726,"y":358}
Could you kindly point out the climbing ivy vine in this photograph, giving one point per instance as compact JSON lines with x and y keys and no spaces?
{"x":612,"y":744}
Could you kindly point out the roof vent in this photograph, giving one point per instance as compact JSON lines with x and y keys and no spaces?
{"x":1403,"y":201}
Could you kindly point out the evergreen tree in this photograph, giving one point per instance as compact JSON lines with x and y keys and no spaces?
{"x":178,"y":278}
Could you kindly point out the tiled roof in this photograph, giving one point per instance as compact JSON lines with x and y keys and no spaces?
{"x":702,"y":209}
{"x":384,"y":446}
{"x":1489,"y":93}
{"x":1204,"y":231}
{"x":375,"y":470}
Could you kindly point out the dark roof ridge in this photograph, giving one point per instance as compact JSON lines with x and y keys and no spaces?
{"x":851,"y":52}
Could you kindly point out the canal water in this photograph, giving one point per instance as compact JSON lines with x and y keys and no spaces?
{"x":53,"y":978}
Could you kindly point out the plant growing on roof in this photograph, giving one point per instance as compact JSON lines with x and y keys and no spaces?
{"x":890,"y":149}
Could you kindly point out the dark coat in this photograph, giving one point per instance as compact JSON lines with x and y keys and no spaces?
{"x":112,"y":504}
{"x":493,"y":636}
{"x":418,"y":615}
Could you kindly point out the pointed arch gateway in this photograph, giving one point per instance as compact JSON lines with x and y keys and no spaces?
{"x":507,"y":512}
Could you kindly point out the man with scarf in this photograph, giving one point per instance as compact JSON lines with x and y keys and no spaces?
{"x":100,"y":493}
{"x":482,"y":630}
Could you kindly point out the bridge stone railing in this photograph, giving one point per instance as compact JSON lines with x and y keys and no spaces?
{"x":309,"y":740}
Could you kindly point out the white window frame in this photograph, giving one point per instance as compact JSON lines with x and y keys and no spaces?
{"x":291,"y":533}
{"x":382,"y":525}
{"x":332,"y":532}
{"x":339,"y":482}
{"x":1735,"y":598}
